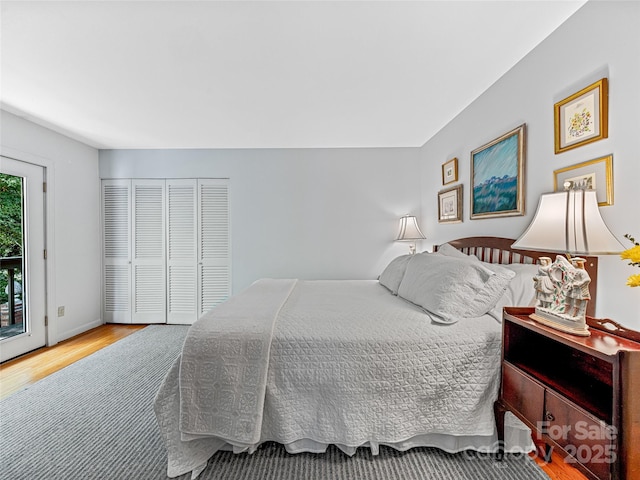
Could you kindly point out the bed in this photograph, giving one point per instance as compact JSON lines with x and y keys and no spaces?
{"x":410,"y":359}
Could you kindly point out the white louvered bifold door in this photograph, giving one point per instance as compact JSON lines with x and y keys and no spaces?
{"x":214,"y":252}
{"x":148,"y":264}
{"x":182,"y":221}
{"x":116,"y":248}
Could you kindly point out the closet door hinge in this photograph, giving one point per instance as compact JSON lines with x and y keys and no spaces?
{"x":46,"y":320}
{"x":44,"y":187}
{"x":45,"y":254}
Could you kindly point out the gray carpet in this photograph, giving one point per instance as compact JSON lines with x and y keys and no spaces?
{"x":94,"y":420}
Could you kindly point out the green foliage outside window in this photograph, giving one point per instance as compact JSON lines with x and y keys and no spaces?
{"x":10,"y":225}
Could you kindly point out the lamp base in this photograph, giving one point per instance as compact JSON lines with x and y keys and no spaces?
{"x":573,"y":326}
{"x":562,"y":294}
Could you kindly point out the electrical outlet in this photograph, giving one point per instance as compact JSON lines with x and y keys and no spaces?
{"x":61,"y":311}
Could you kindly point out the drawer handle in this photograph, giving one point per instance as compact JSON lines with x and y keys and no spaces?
{"x":549,"y":416}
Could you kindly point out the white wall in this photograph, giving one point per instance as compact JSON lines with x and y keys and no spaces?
{"x":600,"y":40}
{"x":74,"y":190}
{"x":333,"y":213}
{"x":298,"y":213}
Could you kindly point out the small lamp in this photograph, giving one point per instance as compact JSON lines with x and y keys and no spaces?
{"x":410,"y":232}
{"x":568,"y":222}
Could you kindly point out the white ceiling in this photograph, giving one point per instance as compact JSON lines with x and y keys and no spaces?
{"x":213,"y":74}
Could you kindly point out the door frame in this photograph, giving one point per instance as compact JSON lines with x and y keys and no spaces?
{"x":51,"y":333}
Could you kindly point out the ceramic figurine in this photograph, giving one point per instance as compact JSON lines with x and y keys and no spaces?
{"x":562,"y":293}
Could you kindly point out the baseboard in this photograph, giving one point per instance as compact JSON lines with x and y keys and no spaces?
{"x":78,"y":330}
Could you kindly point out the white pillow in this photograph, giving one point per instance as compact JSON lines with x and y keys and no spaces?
{"x":393,"y":273}
{"x":451,"y":251}
{"x":452,"y":288}
{"x":521,"y":286}
{"x":520,"y":292}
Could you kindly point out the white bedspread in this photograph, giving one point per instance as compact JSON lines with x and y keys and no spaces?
{"x":349,"y":364}
{"x":224,"y":365}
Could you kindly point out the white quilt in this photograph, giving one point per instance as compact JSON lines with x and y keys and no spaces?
{"x":347,"y":364}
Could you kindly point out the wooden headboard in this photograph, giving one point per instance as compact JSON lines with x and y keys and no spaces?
{"x":498,"y":250}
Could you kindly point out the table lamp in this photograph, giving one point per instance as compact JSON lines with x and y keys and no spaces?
{"x":566,"y":222}
{"x":410,"y":232}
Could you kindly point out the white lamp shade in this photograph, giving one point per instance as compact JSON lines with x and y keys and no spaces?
{"x":569,"y":222}
{"x":409,"y":229}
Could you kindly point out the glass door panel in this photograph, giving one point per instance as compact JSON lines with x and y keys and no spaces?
{"x":12,"y":318}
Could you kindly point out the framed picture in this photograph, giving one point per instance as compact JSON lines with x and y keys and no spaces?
{"x":497,"y":176}
{"x":583,"y":117}
{"x":450,"y":205}
{"x":594,"y":174}
{"x":450,"y":171}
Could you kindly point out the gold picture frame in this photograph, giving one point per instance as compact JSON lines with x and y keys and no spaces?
{"x":450,"y":205}
{"x":450,"y":171}
{"x":583,"y":117}
{"x":596,"y":174}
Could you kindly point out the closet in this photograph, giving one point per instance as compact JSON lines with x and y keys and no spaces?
{"x":166,"y":249}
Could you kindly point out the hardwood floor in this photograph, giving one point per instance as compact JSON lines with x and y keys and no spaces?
{"x":557,"y":469}
{"x":27,"y":369}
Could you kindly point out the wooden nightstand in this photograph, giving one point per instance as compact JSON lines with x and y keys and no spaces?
{"x":579,"y":395}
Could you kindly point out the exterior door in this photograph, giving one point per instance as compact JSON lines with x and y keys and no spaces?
{"x":24,"y":303}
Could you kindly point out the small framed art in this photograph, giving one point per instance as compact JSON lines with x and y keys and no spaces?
{"x":450,"y":171}
{"x":594,"y":174}
{"x":582,"y":117}
{"x":497,"y":176}
{"x":450,"y":205}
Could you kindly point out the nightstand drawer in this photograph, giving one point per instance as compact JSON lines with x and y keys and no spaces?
{"x":587,"y":439}
{"x":523,"y":393}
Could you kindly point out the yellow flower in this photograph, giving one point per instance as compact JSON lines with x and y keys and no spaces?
{"x":632,"y":254}
{"x":634,"y":280}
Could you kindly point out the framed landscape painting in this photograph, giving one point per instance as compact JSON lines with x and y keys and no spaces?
{"x":497,"y":176}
